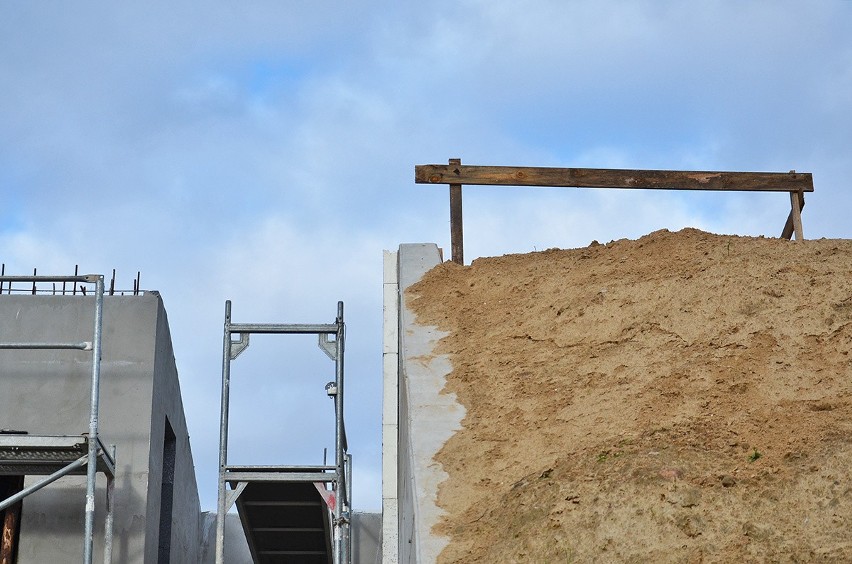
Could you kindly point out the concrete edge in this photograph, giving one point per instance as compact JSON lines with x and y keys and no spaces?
{"x":427,"y":418}
{"x":390,"y":410}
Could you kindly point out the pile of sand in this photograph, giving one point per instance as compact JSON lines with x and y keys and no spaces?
{"x":686,"y":397}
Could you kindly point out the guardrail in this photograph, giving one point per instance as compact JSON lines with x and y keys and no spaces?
{"x":455,"y":174}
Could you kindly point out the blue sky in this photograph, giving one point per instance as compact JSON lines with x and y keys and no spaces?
{"x":265,"y":153}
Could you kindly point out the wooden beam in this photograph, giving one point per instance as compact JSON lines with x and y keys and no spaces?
{"x":456,"y":221}
{"x":614,"y":178}
{"x":790,"y":225}
{"x":796,"y":212}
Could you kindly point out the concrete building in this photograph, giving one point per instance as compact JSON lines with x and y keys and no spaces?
{"x":157,"y":515}
{"x":47,"y":393}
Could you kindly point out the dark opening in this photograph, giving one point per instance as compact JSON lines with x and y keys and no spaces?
{"x":167,"y":488}
{"x":10,"y":519}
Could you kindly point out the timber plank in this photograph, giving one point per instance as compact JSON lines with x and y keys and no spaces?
{"x":613,"y":178}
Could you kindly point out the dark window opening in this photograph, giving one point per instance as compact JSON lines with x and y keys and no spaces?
{"x":10,"y":519}
{"x":167,"y":488}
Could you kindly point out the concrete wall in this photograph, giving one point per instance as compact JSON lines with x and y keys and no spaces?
{"x":236,"y":547}
{"x":167,"y":406}
{"x":426,"y":418}
{"x":390,"y":411}
{"x":47,"y":392}
{"x":366,"y":538}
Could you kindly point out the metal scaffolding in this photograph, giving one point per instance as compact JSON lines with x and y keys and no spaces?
{"x":55,"y":456}
{"x":281,"y":507}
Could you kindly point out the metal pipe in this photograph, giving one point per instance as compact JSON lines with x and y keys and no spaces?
{"x":221,"y":508}
{"x":249,"y":476}
{"x":85,"y":278}
{"x":92,"y":468}
{"x":110,"y":500}
{"x":329,"y":328}
{"x":83,"y":346}
{"x":47,"y":481}
{"x":341,"y":524}
{"x":348,"y":479}
{"x":349,"y":508}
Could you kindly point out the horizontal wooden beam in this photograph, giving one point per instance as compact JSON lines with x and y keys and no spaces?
{"x":614,"y":178}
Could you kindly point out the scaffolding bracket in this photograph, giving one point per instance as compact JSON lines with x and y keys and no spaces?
{"x":327,"y":495}
{"x":328,"y":346}
{"x":239,"y":346}
{"x":234,"y":494}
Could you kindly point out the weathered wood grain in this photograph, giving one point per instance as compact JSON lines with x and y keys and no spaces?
{"x":456,"y":222}
{"x":789,"y":226}
{"x":613,"y":178}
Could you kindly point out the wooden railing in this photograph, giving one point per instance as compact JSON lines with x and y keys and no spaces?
{"x":455,"y":174}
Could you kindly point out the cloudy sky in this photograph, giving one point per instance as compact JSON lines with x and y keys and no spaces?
{"x":264,"y":152}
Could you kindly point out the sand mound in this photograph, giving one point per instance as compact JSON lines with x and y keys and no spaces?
{"x":685,"y":397}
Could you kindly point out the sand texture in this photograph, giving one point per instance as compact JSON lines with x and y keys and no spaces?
{"x":685,"y":397}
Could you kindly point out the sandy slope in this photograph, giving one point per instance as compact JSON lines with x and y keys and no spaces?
{"x":685,"y":397}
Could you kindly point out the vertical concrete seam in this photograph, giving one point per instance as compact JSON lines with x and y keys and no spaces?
{"x":390,"y":410}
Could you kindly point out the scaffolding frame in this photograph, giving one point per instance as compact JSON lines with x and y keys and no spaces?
{"x":338,"y":500}
{"x":62,"y":455}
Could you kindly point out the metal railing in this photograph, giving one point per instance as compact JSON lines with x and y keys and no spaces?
{"x":62,"y":290}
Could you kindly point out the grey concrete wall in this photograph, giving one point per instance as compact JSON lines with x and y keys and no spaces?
{"x":236,"y":547}
{"x":390,"y":410}
{"x":167,"y":405}
{"x":366,"y":538}
{"x":47,"y":392}
{"x":427,"y":418}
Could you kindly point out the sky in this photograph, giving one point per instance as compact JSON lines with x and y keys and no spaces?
{"x":264,"y":152}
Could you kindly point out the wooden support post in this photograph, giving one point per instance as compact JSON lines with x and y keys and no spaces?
{"x":794,"y":219}
{"x":456,"y":223}
{"x":11,"y":519}
{"x":797,"y":215}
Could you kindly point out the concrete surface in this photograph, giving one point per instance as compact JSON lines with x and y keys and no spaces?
{"x":47,"y":392}
{"x":236,"y":547}
{"x":390,"y":409}
{"x":366,"y":538}
{"x":427,"y":418}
